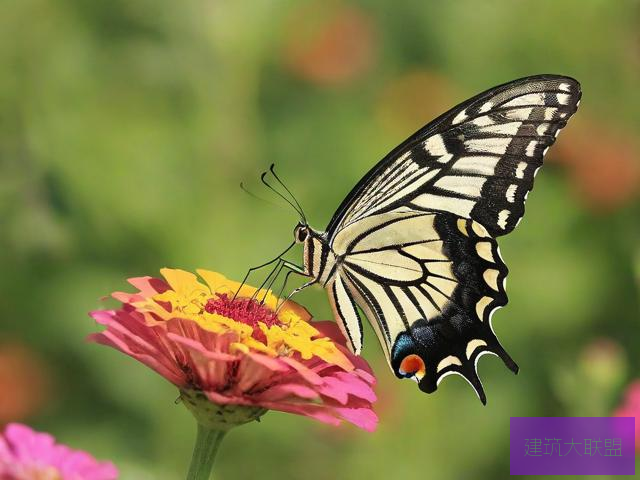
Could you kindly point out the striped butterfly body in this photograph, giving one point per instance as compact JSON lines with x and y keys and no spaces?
{"x":414,"y":243}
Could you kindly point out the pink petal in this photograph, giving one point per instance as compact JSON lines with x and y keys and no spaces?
{"x":364,"y":418}
{"x":331,"y":330}
{"x":308,"y":410}
{"x":194,"y":345}
{"x":226,"y":399}
{"x":334,"y":388}
{"x":252,"y":374}
{"x":356,"y":386}
{"x":149,"y":286}
{"x":125,"y":297}
{"x":275,"y":365}
{"x":308,"y":374}
{"x":167,"y":369}
{"x":22,"y":449}
{"x":280,"y":392}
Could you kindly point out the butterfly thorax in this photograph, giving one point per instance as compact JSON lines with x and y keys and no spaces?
{"x":319,"y":260}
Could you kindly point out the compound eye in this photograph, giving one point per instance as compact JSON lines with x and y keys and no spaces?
{"x":301,"y":234}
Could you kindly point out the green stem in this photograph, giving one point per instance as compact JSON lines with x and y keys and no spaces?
{"x":208,"y":442}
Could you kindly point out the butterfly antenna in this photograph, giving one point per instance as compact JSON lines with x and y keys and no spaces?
{"x":273,"y":172}
{"x":253,"y":195}
{"x":262,"y":179}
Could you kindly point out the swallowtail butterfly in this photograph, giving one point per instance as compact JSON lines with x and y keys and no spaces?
{"x":414,"y":243}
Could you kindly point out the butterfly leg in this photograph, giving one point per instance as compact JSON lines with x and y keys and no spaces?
{"x":299,"y":289}
{"x":273,"y":276}
{"x":284,"y":284}
{"x":293,"y":268}
{"x":253,"y":269}
{"x":267,"y":281}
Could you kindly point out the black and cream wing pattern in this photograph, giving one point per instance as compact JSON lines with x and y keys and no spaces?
{"x":415,"y":240}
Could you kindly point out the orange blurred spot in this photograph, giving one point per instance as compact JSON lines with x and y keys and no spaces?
{"x":410,"y":101}
{"x":603,"y":362}
{"x":602,"y":350}
{"x":329,"y":46}
{"x":603,"y":162}
{"x":24,"y":387}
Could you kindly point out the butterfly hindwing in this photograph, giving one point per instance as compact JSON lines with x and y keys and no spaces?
{"x":476,"y":161}
{"x":431,"y":289}
{"x":384,"y":253}
{"x":453,"y":341}
{"x":345,"y":312}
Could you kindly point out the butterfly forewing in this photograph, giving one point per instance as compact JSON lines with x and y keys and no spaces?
{"x":477,"y":161}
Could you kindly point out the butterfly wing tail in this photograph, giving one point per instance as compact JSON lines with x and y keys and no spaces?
{"x":446,"y":348}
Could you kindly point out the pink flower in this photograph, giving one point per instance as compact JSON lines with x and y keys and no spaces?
{"x":234,"y":350}
{"x":631,"y":408}
{"x":29,"y":455}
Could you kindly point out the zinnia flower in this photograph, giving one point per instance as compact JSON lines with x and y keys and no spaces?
{"x":29,"y":455}
{"x":631,"y":408}
{"x":234,"y":355}
{"x":218,"y":344}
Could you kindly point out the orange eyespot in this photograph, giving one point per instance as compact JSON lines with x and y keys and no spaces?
{"x":412,"y":365}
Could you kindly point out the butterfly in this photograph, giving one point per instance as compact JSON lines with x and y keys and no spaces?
{"x":413,"y":245}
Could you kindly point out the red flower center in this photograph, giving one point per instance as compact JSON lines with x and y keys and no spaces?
{"x":245,"y":310}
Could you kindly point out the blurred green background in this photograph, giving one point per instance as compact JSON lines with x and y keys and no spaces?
{"x":126,"y":127}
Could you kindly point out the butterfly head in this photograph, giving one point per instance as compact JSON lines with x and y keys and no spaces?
{"x":301,"y":232}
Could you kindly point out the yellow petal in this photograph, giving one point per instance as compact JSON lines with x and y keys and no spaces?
{"x":182,"y":282}
{"x":292,"y":310}
{"x":235,"y":347}
{"x":217,"y":282}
